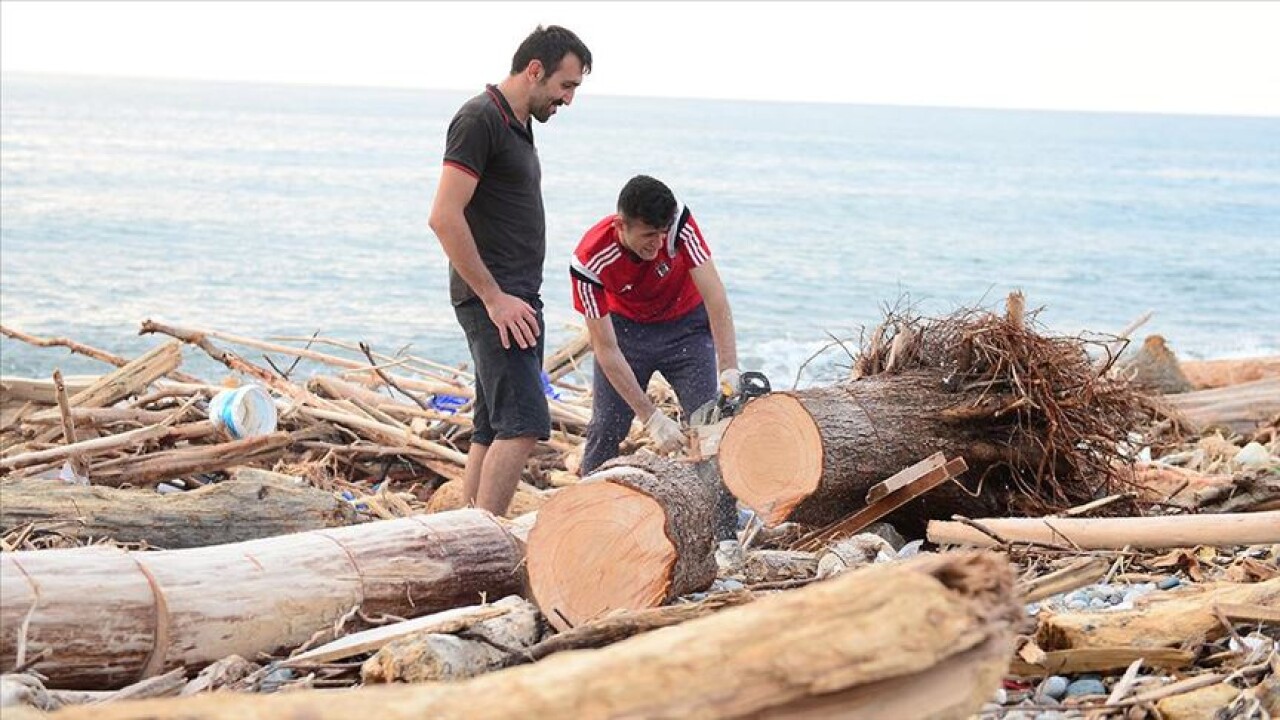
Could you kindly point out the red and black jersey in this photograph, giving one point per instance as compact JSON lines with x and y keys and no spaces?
{"x":607,"y":277}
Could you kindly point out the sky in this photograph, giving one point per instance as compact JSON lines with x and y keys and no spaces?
{"x":1217,"y":58}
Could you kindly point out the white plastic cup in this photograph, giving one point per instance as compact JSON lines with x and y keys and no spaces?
{"x":246,"y":411}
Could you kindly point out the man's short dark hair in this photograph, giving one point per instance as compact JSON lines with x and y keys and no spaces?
{"x":647,"y":199}
{"x":549,"y":45}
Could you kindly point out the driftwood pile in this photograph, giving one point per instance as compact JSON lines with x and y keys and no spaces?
{"x":1131,"y":564}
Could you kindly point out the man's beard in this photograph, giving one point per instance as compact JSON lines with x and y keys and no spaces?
{"x":542,"y":113}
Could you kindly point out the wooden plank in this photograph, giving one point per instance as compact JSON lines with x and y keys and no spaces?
{"x":1241,"y":612}
{"x":1078,"y":660}
{"x":1258,"y":528}
{"x":448,"y":621}
{"x":905,"y":477}
{"x":883,"y":506}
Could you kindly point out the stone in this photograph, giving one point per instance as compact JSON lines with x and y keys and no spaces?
{"x":1054,"y":686}
{"x":1086,"y":686}
{"x":1169,"y":583}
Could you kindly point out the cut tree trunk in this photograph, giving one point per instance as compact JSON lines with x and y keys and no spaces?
{"x":1170,"y":531}
{"x":107,"y":618}
{"x":634,"y":534}
{"x":252,"y":507}
{"x":848,"y":647}
{"x":1181,"y":618}
{"x":811,"y":456}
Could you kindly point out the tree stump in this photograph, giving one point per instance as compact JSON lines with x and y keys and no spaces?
{"x":634,"y":534}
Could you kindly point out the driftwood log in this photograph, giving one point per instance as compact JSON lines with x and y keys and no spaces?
{"x":1173,"y":619}
{"x":634,"y":534}
{"x":1238,"y":408}
{"x":102,"y":618}
{"x":253,"y":504}
{"x":1208,"y":374}
{"x":848,"y":647}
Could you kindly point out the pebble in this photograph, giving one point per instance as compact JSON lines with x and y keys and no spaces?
{"x":1001,"y":697}
{"x":1169,"y":583}
{"x":167,"y":489}
{"x":730,"y":585}
{"x":1054,"y":686}
{"x":1086,"y":686}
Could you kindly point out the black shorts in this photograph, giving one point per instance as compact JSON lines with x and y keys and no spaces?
{"x":509,"y":398}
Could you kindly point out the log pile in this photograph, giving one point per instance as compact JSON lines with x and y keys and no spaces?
{"x":1131,"y":569}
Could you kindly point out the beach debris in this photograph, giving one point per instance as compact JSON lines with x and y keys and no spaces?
{"x":860,"y":650}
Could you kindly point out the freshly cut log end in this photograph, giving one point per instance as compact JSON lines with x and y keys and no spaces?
{"x":596,"y":548}
{"x":632,"y":535}
{"x":771,"y":456}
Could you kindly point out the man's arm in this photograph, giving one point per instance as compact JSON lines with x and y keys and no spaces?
{"x":515,"y":319}
{"x":604,"y":343}
{"x":707,"y":280}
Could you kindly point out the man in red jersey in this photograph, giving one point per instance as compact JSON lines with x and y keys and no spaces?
{"x":653,"y":302}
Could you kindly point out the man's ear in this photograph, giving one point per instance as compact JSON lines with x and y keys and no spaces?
{"x":535,"y":70}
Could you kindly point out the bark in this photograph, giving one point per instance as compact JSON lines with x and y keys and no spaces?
{"x":634,"y":534}
{"x":848,"y":647}
{"x":1172,"y":619}
{"x":228,"y":512}
{"x":811,"y":456}
{"x":108,"y":617}
{"x":1260,"y":528}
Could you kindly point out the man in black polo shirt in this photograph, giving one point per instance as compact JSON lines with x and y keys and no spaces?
{"x":489,"y":218}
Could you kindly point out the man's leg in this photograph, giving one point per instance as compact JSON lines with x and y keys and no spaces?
{"x":475,"y":466}
{"x":500,"y":473}
{"x":610,"y":421}
{"x":691,"y":369}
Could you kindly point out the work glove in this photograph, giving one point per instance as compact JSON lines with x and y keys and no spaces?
{"x":730,"y":382}
{"x":664,"y":432}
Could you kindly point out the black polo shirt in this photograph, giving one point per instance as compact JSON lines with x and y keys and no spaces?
{"x":505,"y":214}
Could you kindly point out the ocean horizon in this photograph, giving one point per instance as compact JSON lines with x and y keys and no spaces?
{"x":290,"y":210}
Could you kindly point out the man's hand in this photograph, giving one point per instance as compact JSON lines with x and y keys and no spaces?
{"x":516,"y":320}
{"x":664,"y":431}
{"x":730,"y":381}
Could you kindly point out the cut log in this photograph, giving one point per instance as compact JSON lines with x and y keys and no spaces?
{"x":1200,"y":704}
{"x":1209,"y":374}
{"x":107,"y":618}
{"x":1260,"y":528}
{"x":449,"y":497}
{"x":849,"y":647}
{"x":434,"y":656}
{"x":228,"y":512}
{"x":634,"y":534}
{"x":1175,"y":618}
{"x":811,"y":456}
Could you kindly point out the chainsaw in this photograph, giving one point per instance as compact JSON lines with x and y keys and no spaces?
{"x":706,"y":424}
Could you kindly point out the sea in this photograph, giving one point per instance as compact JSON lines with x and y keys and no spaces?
{"x":276,"y":211}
